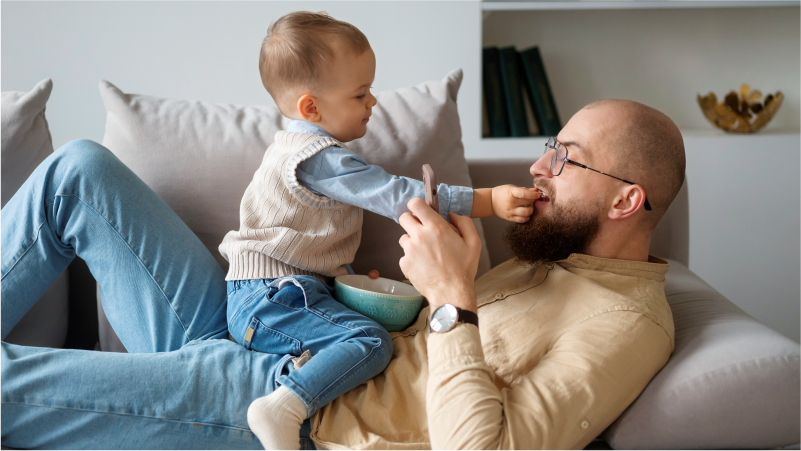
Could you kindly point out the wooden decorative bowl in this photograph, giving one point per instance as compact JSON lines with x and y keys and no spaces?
{"x":741,"y":113}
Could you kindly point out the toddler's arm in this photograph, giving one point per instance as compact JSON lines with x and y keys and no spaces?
{"x":344,"y":176}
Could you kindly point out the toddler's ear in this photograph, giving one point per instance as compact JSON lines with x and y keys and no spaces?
{"x":307,"y":108}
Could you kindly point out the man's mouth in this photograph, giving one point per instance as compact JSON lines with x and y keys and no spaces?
{"x":543,"y":197}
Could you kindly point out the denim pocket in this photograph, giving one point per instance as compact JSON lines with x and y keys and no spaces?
{"x":261,"y":338}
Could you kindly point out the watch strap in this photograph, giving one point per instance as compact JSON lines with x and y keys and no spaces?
{"x":467,"y":317}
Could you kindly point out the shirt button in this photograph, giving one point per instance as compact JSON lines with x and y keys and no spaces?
{"x":585,"y":424}
{"x":498,"y":296}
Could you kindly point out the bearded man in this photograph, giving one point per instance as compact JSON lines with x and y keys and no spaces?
{"x":548,"y":349}
{"x":544,"y":351}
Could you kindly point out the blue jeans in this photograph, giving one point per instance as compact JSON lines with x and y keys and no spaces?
{"x":183,"y":385}
{"x":298,"y":314}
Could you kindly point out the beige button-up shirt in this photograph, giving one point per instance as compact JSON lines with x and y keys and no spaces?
{"x":561,"y":351}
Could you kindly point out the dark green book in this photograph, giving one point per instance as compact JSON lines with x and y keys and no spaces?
{"x":493,"y":93}
{"x":539,"y":92}
{"x":511,"y":82}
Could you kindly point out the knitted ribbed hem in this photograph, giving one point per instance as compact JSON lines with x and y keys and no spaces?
{"x":255,"y":265}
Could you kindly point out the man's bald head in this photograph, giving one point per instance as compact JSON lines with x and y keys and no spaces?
{"x":648,"y":150}
{"x":582,"y":212}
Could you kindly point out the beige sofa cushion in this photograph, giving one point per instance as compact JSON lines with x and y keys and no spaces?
{"x":731,"y":382}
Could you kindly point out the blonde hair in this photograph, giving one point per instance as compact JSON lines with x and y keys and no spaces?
{"x":298,"y":49}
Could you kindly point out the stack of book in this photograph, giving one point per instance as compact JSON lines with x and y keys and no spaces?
{"x":517,"y":97}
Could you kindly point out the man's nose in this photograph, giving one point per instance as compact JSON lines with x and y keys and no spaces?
{"x":542,"y":167}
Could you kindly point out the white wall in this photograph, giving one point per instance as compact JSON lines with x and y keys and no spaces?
{"x":745,"y":221}
{"x":208,"y":51}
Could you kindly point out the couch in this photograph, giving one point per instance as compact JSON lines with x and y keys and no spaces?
{"x":730,"y":383}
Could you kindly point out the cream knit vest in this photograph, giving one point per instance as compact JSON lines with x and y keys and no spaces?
{"x":285,"y":229}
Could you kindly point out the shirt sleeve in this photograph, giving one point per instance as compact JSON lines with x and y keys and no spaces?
{"x":578,"y":388}
{"x":344,"y":176}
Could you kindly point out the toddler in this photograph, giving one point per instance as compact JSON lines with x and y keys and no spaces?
{"x":301,"y":218}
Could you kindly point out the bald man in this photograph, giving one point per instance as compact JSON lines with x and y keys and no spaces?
{"x":568,"y":333}
{"x":544,"y":351}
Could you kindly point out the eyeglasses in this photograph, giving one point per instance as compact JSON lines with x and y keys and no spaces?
{"x":560,"y":159}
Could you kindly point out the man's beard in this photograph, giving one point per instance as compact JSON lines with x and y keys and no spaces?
{"x":566,"y":230}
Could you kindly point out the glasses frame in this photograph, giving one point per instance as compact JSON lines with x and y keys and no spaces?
{"x":549,"y":145}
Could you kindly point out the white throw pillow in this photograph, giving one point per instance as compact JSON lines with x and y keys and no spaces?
{"x":199,"y":157}
{"x":25,"y":143}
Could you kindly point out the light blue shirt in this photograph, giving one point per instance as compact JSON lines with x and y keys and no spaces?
{"x":344,"y":176}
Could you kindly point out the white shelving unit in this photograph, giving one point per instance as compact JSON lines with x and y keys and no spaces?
{"x":661,"y":53}
{"x":744,"y":221}
{"x":631,"y":4}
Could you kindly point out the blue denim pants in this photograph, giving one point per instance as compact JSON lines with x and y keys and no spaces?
{"x":298,"y":317}
{"x":183,"y":385}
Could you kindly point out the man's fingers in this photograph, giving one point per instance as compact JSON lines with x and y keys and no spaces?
{"x":425,"y":214}
{"x":523,"y":193}
{"x":466,"y":228}
{"x":408,"y":222}
{"x":404,"y":240}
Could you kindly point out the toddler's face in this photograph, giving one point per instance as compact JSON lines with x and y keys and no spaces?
{"x":344,"y":102}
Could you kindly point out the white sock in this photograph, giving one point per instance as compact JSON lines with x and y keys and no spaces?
{"x":276,"y":419}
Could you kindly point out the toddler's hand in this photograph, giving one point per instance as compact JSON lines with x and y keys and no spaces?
{"x":514,"y":203}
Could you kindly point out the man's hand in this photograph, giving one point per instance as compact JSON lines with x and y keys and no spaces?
{"x":514,"y":203}
{"x":440,"y":260}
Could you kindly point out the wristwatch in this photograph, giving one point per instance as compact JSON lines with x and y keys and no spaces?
{"x":446,"y":316}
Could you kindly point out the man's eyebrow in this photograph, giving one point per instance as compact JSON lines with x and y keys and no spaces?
{"x":572,"y":144}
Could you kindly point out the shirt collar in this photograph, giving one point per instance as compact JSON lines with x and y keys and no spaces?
{"x":298,"y":126}
{"x":655,"y":268}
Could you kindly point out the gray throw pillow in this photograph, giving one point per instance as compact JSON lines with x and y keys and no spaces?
{"x":199,"y":157}
{"x":731,"y":382}
{"x":25,"y":143}
{"x":410,"y":127}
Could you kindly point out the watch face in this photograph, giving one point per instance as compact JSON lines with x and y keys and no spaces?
{"x":444,"y":318}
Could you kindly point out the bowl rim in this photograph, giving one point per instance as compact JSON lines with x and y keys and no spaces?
{"x":362,"y":291}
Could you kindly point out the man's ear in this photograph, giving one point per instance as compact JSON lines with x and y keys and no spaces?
{"x":307,"y":108}
{"x":627,"y":202}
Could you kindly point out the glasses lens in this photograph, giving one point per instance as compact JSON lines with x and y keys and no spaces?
{"x":559,"y":158}
{"x":549,"y":145}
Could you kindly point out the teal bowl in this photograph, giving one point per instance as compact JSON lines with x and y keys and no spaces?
{"x":392,"y":304}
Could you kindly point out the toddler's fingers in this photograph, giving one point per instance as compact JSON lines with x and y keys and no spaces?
{"x":523,"y":211}
{"x":519,"y":219}
{"x":522,"y":203}
{"x":524,"y":193}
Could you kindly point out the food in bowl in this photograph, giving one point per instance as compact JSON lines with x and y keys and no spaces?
{"x":392,"y":304}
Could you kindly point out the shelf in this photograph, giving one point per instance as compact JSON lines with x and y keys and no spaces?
{"x":629,"y":4}
{"x":531,"y":147}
